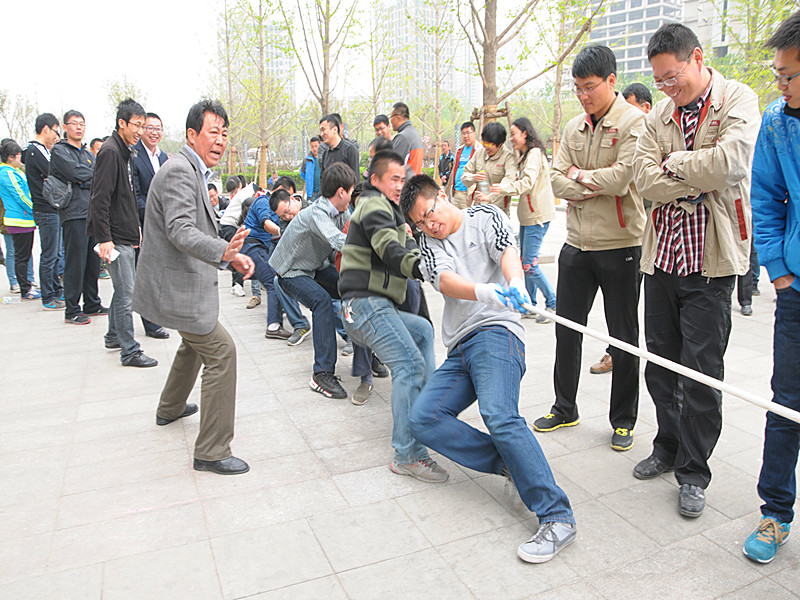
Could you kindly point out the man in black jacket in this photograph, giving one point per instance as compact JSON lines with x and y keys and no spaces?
{"x":114,"y":222}
{"x":72,"y":162}
{"x":37,"y":166}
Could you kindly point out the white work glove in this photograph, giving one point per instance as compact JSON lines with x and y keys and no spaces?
{"x":492,"y":295}
{"x":518,"y":295}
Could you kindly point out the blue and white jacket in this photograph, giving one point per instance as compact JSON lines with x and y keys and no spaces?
{"x":775,"y":193}
{"x":16,"y":197}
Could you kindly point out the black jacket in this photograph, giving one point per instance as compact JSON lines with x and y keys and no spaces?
{"x":37,"y":167}
{"x":346,"y":152}
{"x":76,"y":165}
{"x":113,"y":215}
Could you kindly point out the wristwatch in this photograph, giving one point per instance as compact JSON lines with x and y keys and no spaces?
{"x":575,"y":174}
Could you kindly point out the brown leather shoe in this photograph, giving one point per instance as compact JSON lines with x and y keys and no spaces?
{"x":604,"y":366}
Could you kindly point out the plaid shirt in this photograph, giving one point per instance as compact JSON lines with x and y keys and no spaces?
{"x":681,"y":235}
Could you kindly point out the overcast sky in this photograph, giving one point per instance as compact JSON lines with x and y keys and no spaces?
{"x":62,"y":54}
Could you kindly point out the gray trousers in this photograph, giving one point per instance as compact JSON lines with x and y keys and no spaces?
{"x":216,"y":351}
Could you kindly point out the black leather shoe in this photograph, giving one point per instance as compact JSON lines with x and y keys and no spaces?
{"x":140,"y":359}
{"x":691,"y":500}
{"x":227,"y":466}
{"x":190,"y":410}
{"x":159,"y":334}
{"x":650,"y":467}
{"x":378,"y":368}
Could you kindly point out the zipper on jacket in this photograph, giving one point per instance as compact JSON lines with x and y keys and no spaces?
{"x":386,"y":278}
{"x":620,"y":215}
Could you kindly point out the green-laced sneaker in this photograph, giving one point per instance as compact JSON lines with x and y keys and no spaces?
{"x":764,"y":542}
{"x":622,"y":439}
{"x":549,"y":422}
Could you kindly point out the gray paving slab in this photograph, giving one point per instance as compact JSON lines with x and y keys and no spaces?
{"x":98,"y":502}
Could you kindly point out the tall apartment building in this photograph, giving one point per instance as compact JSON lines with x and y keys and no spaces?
{"x":705,"y":18}
{"x":627,"y":26}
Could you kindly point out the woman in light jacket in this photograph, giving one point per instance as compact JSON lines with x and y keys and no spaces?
{"x":535,"y":209}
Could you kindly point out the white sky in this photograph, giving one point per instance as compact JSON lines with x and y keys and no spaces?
{"x":65,"y":53}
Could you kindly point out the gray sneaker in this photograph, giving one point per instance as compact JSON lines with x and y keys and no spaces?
{"x":298,"y":335}
{"x":547,"y":542}
{"x":425,"y":470}
{"x":348,"y":349}
{"x":361,"y":394}
{"x":541,"y":319}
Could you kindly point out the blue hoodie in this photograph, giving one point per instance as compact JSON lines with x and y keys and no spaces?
{"x":16,"y":197}
{"x":775,"y":193}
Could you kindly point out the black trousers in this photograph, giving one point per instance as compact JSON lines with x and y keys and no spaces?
{"x":81,"y":269}
{"x":687,"y":320}
{"x":23,"y":247}
{"x":616,"y":273}
{"x":226,"y":232}
{"x":149,"y":326}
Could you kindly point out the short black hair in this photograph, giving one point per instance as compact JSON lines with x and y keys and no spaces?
{"x":787,"y":35}
{"x":277,"y":197}
{"x":467,"y":125}
{"x":127,"y":109}
{"x":594,"y":59}
{"x":243,"y":179}
{"x":246,"y":204}
{"x":401,"y":110}
{"x":95,"y":140}
{"x":233,"y":183}
{"x":381,"y":143}
{"x":73,"y":113}
{"x":45,"y":120}
{"x":152,"y":115}
{"x":380,"y":119}
{"x":333,"y":122}
{"x":419,"y":185}
{"x":338,"y":175}
{"x":638,"y":91}
{"x":8,"y":148}
{"x":532,"y":139}
{"x":315,"y":139}
{"x":285,"y":182}
{"x":494,"y":133}
{"x":197,"y":114}
{"x":380,"y":162}
{"x":673,"y":38}
{"x":211,"y":186}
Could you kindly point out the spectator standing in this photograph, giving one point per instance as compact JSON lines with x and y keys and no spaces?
{"x":456,"y":188}
{"x":693,"y":161}
{"x":310,"y":170}
{"x":383,"y":128}
{"x":446,"y":162}
{"x":406,"y":141}
{"x":337,"y":149}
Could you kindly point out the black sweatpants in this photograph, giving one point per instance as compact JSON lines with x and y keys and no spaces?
{"x":23,"y":247}
{"x":81,"y":269}
{"x":616,"y":273}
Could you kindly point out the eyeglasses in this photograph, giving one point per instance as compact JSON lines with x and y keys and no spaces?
{"x":782,"y":79}
{"x":578,"y":91}
{"x":660,"y":85}
{"x":136,"y":126}
{"x":152,"y":129}
{"x":76,"y":123}
{"x":427,"y":216}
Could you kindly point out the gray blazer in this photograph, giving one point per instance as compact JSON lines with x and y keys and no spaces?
{"x":176,"y":276}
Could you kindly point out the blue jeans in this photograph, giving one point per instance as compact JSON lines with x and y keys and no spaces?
{"x":404,"y":343}
{"x":487,"y":365}
{"x":777,"y":484}
{"x":12,"y":277}
{"x":316,"y":294}
{"x":530,"y":241}
{"x":120,"y":315}
{"x":266,"y":275}
{"x":50,"y":240}
{"x":290,"y":307}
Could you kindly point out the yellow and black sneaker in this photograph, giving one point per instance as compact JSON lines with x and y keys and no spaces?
{"x":622,"y":439}
{"x":549,"y":422}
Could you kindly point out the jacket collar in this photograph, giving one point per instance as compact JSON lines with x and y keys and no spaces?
{"x":124,"y":150}
{"x":715,"y":101}
{"x":611,"y":118}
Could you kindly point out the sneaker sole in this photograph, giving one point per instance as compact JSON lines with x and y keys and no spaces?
{"x":545,"y":430}
{"x":271,"y":335}
{"x":328,"y":394}
{"x":415,"y":476}
{"x":539,"y":558}
{"x":648,"y":477}
{"x":690,"y":514}
{"x":622,"y":448}
{"x":300,"y":341}
{"x":600,"y":372}
{"x":759,"y":560}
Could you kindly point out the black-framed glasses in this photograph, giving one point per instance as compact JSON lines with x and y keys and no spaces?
{"x":76,"y":123}
{"x":782,"y":79}
{"x":136,"y":126}
{"x":421,"y":223}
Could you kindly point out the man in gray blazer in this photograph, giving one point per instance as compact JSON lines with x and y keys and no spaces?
{"x":181,"y":252}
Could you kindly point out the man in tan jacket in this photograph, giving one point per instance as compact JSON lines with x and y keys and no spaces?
{"x":491,"y":163}
{"x":693,"y":162}
{"x":605,"y":219}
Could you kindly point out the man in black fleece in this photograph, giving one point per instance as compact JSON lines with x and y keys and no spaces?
{"x":114,"y":222}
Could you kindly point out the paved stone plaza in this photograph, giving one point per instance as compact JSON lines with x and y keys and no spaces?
{"x":98,"y":502}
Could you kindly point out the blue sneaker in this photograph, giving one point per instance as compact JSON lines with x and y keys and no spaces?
{"x":33,"y":294}
{"x":764,"y":542}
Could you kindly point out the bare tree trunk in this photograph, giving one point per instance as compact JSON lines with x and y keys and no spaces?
{"x":326,"y":62}
{"x":490,"y":55}
{"x":229,"y":81}
{"x":262,"y":87}
{"x":557,"y":111}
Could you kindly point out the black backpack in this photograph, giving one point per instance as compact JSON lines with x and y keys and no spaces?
{"x":58,"y":193}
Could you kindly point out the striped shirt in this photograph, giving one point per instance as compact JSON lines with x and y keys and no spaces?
{"x":681,"y":235}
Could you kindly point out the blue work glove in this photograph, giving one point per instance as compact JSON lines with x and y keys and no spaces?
{"x":518,"y":295}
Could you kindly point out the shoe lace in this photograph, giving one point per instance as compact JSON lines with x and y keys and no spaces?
{"x":622,"y":431}
{"x":770,"y":532}
{"x":549,"y":416}
{"x":545,"y":534}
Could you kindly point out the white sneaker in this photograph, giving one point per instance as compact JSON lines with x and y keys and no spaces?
{"x":547,"y":542}
{"x":237,"y":290}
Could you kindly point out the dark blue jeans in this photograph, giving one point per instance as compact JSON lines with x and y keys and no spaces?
{"x":777,"y":484}
{"x":487,"y":366}
{"x":50,"y":240}
{"x":266,"y":275}
{"x":316,"y":294}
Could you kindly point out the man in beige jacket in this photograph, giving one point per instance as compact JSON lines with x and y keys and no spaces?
{"x":605,"y":219}
{"x":693,"y":162}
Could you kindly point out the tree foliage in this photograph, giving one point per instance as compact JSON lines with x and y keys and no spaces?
{"x":18,"y":114}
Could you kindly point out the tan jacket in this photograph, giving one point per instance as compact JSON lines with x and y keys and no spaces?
{"x":720,"y":166}
{"x":615,"y":219}
{"x":501,"y":168}
{"x":537,"y":204}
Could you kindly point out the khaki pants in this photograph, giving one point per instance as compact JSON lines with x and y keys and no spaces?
{"x":460,"y":199}
{"x":216,"y":351}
